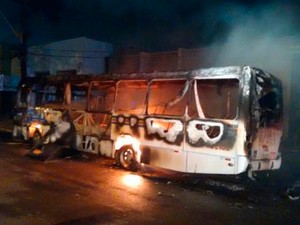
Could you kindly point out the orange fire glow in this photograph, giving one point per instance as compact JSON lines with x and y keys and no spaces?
{"x":163,"y":124}
{"x":124,"y":140}
{"x":133,"y":181}
{"x":33,"y":128}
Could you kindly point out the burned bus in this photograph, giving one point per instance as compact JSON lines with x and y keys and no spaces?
{"x":215,"y":121}
{"x":41,"y":100}
{"x":225,"y":120}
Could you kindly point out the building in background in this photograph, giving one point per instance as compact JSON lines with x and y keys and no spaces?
{"x":179,"y":60}
{"x":73,"y":56}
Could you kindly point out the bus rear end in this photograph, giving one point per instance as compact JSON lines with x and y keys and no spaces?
{"x":267,"y":121}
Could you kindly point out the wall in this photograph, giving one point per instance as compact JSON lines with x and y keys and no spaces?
{"x":84,"y":55}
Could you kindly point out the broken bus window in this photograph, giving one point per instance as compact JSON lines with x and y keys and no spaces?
{"x":218,"y":98}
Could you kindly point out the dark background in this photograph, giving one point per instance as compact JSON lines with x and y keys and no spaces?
{"x":148,"y":25}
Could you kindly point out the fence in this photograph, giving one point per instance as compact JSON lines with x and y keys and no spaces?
{"x":180,"y":60}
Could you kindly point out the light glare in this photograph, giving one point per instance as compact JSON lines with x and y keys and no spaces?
{"x":132,"y":180}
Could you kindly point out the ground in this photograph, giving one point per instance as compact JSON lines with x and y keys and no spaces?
{"x":84,"y":189}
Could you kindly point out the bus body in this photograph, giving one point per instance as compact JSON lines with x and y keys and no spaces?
{"x":40,"y":102}
{"x":29,"y":118}
{"x":223,"y":120}
{"x":216,"y":121}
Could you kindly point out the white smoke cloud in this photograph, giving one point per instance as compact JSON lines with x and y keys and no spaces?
{"x":261,"y":37}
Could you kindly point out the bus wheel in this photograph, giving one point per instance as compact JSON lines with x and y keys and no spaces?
{"x":125,"y":157}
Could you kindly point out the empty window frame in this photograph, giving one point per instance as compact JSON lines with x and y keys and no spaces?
{"x":214,"y":99}
{"x":101,"y":96}
{"x":54,"y":93}
{"x":130,"y":97}
{"x":79,"y":96}
{"x":168,"y":97}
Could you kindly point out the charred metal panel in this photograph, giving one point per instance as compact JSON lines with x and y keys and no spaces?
{"x":210,"y":164}
{"x":164,"y":158}
{"x":265,"y":146}
{"x":268,"y":113}
{"x":129,"y":124}
{"x":204,"y":131}
{"x":213,"y":134}
{"x":269,"y":94}
{"x":169,"y":130}
{"x":212,"y":73}
{"x":91,"y":124}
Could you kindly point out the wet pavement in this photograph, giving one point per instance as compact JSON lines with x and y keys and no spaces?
{"x":88,"y":190}
{"x":84,"y":189}
{"x":6,"y":124}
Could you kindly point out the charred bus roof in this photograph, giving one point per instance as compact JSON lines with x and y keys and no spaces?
{"x":206,"y":73}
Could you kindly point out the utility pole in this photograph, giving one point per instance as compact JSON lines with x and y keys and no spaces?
{"x":21,"y":36}
{"x":8,"y":99}
{"x":23,"y":56}
{"x":23,"y":44}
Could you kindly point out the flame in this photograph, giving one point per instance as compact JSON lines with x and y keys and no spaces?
{"x":123,"y":140}
{"x":38,"y":126}
{"x":132,"y":180}
{"x":33,"y":128}
{"x":37,"y":151}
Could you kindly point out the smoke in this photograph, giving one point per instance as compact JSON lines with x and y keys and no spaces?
{"x":263,"y":37}
{"x":161,"y":25}
{"x":237,"y":32}
{"x":260,"y":36}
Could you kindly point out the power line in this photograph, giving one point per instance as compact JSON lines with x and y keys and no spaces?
{"x":11,"y":27}
{"x":69,"y":50}
{"x":64,"y":56}
{"x":46,"y":63}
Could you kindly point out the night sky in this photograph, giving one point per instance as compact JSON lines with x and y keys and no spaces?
{"x":149,"y":25}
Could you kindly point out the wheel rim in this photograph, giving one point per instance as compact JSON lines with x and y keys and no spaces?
{"x":127,"y":158}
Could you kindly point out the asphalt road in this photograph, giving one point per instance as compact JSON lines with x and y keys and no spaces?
{"x":86,"y":190}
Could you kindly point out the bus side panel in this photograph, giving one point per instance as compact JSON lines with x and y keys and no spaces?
{"x":212,"y":164}
{"x":165,"y":136}
{"x":159,"y":146}
{"x":127,"y":124}
{"x":212,"y":147}
{"x":265,"y":153}
{"x":164,"y":158}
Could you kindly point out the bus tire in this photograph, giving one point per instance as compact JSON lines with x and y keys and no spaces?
{"x":126,"y":158}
